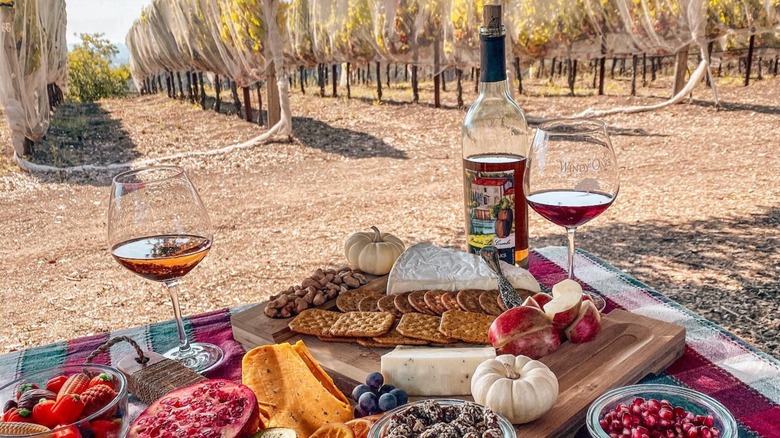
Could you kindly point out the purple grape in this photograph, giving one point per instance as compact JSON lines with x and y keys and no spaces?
{"x":360,"y":390}
{"x":400,"y":396}
{"x":368,"y":403}
{"x":375,"y":380}
{"x":357,"y":412}
{"x":387,"y":402}
{"x":386,"y":389}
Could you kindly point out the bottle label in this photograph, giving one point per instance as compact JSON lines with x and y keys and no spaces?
{"x":491,"y":212}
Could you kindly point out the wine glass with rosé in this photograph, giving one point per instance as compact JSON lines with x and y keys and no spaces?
{"x":571,"y":176}
{"x":158,"y":228}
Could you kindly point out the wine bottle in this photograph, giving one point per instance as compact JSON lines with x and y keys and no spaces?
{"x":495,"y":146}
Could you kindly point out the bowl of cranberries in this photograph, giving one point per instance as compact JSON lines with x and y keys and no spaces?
{"x":68,"y":401}
{"x":659,"y":411}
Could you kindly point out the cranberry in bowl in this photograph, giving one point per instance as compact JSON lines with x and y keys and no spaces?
{"x":654,"y":410}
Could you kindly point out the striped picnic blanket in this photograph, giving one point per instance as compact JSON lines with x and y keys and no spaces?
{"x":715,"y":362}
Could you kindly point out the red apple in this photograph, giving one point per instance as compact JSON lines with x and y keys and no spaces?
{"x":541,"y":298}
{"x":587,"y":324}
{"x":563,"y":309}
{"x":534,"y":345}
{"x":530,"y":302}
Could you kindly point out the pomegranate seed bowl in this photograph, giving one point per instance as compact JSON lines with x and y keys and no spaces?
{"x":659,"y":411}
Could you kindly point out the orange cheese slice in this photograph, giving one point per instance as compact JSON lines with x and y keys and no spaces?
{"x":292,"y":389}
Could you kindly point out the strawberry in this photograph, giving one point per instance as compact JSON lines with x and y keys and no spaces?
{"x":69,"y":432}
{"x":106,"y":428}
{"x":103,"y":379}
{"x":96,"y":398}
{"x":41,"y":413}
{"x":16,"y":415}
{"x":67,"y":409}
{"x":76,"y":384}
{"x":55,"y":383}
{"x":24,"y":387}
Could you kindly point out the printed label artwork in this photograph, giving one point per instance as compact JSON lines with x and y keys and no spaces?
{"x":491,"y":215}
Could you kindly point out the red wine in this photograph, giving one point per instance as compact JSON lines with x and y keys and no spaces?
{"x":162,"y":258}
{"x":496,"y":212}
{"x":569,"y":208}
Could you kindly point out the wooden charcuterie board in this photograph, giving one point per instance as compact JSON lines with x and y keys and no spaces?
{"x":629,"y":347}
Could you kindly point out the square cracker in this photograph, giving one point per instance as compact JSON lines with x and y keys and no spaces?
{"x":362,"y":324}
{"x":341,"y":339}
{"x":350,"y":300}
{"x":426,"y":327}
{"x":315,"y":322}
{"x":393,"y":338}
{"x":466,"y":326}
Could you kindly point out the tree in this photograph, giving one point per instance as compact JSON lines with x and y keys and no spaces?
{"x":90,"y":73}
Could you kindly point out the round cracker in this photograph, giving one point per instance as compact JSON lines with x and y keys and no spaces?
{"x":402,"y":303}
{"x":450,"y":301}
{"x":417,"y":300}
{"x":501,"y":303}
{"x":433,"y":301}
{"x":487,"y":300}
{"x":468,"y":300}
{"x":387,"y":304}
{"x":369,"y":304}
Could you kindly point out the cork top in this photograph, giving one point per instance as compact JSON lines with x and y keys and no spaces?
{"x":492,"y":16}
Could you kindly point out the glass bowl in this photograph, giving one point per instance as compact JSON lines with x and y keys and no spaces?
{"x":112,"y":417}
{"x":690,"y":400}
{"x":380,"y":428}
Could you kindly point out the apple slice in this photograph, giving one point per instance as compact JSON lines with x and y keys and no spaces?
{"x":530,"y":302}
{"x":587,"y":324}
{"x":541,"y":298}
{"x":517,"y":322}
{"x":535,"y":344}
{"x":563,"y":309}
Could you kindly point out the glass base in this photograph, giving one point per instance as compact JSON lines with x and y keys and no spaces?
{"x":598,"y":301}
{"x":200,"y":358}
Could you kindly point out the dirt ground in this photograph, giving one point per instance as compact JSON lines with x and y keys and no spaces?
{"x":697,"y":218}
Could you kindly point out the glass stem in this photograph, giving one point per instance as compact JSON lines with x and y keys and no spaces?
{"x":570,"y":234}
{"x":173,"y":290}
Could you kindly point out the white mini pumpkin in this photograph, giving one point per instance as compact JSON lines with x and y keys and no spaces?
{"x":519,"y":388}
{"x":373,"y":252}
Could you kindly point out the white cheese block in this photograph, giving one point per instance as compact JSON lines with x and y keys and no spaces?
{"x":429,"y":267}
{"x":425,"y":371}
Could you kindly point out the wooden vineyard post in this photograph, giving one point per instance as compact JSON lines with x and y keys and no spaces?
{"x":644,"y":69}
{"x":612,"y":70}
{"x":749,"y":60}
{"x":681,"y":67}
{"x":202,"y":91}
{"x":181,"y":87}
{"x":159,"y":83}
{"x":602,"y":66}
{"x":274,"y":108}
{"x":247,"y":104}
{"x":349,"y":80}
{"x":652,"y":69}
{"x":709,"y":61}
{"x":260,"y":104}
{"x":436,"y":75}
{"x":195,"y":89}
{"x":415,"y":90}
{"x":378,"y":83}
{"x":777,"y":59}
{"x":459,"y":74}
{"x":572,"y":76}
{"x":387,"y":75}
{"x":301,"y":79}
{"x":552,"y":69}
{"x":444,"y":80}
{"x":760,"y":75}
{"x":406,"y":72}
{"x":519,"y":75}
{"x":168,"y":84}
{"x":236,"y":100}
{"x":634,"y":60}
{"x":190,"y":94}
{"x":334,"y":81}
{"x":217,"y":89}
{"x":321,"y":78}
{"x":476,"y":81}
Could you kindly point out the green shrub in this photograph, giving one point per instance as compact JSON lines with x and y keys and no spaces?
{"x":90,"y":73}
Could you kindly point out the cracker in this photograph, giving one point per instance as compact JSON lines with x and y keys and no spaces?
{"x":349,"y":300}
{"x":337,"y":339}
{"x":426,"y":327}
{"x":394,"y":337}
{"x":433,"y":301}
{"x":487,"y":300}
{"x":368,"y":304}
{"x":402,"y":303}
{"x":524,"y":293}
{"x":362,"y":324}
{"x":387,"y":304}
{"x":315,"y":322}
{"x":466,"y":326}
{"x":468,"y":300}
{"x":417,"y":300}
{"x":450,"y":301}
{"x":501,"y":303}
{"x":370,"y":343}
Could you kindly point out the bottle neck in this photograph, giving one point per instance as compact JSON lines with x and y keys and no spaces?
{"x":492,"y":59}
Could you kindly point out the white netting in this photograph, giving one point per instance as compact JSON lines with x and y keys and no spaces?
{"x":33,"y":54}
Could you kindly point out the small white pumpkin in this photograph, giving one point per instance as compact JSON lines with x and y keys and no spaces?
{"x":519,"y":388}
{"x":373,"y":252}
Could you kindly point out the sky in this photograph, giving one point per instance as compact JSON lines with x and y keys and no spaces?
{"x":111,"y":17}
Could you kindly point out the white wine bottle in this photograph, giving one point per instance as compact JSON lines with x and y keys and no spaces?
{"x":495,"y":146}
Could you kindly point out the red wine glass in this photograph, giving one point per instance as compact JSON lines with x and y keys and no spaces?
{"x":158,"y":228}
{"x":571,"y":176}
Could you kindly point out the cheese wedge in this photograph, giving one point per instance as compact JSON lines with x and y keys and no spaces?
{"x":425,"y":371}
{"x":429,"y":267}
{"x":292,"y":390}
